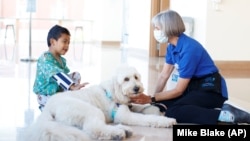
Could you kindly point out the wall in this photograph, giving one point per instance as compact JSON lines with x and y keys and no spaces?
{"x":139,"y":24}
{"x":137,"y":20}
{"x":228,"y":30}
{"x":223,"y":32}
{"x":111,"y":20}
{"x":195,"y":9}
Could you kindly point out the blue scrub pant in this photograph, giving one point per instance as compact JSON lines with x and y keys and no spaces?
{"x":198,"y":107}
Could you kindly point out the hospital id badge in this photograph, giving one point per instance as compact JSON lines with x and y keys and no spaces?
{"x":175,"y":77}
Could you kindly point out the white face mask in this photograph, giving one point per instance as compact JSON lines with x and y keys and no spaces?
{"x":160,"y":36}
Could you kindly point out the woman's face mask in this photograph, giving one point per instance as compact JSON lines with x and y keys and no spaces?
{"x":160,"y":36}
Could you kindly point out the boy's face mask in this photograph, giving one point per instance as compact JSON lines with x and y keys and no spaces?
{"x":160,"y":36}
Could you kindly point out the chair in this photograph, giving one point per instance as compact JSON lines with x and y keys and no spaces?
{"x":9,"y":29}
{"x":78,"y":38}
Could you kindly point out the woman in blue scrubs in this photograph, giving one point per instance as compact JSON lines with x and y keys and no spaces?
{"x":200,"y":93}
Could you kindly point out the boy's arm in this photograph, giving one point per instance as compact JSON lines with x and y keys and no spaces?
{"x":63,"y":80}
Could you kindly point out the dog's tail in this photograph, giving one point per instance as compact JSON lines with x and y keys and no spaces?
{"x":45,"y":129}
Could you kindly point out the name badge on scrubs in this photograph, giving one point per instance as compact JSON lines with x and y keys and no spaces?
{"x":172,"y":81}
{"x":175,"y":77}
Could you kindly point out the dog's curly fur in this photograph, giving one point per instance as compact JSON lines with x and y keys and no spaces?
{"x":88,"y":113}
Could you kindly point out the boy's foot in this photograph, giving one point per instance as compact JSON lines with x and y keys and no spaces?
{"x":41,"y":107}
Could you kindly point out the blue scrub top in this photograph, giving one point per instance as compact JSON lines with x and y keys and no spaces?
{"x":192,"y":60}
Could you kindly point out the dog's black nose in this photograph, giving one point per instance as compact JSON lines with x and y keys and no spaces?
{"x":136,"y":89}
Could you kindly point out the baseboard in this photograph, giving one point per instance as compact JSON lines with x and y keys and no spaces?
{"x":231,"y":69}
{"x":111,"y":43}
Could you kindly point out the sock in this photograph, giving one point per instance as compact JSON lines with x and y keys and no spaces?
{"x":226,"y":116}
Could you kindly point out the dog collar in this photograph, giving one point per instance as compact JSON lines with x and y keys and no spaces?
{"x":108,"y":94}
{"x":114,"y":110}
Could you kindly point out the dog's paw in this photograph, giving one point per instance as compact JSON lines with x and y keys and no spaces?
{"x":112,"y":132}
{"x":124,"y":130}
{"x":163,"y":122}
{"x":128,"y":130}
{"x":170,"y":122}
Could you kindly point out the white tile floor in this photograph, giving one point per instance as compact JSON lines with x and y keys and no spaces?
{"x":18,"y":106}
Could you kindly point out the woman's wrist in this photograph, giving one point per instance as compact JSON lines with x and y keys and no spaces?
{"x":153,"y":100}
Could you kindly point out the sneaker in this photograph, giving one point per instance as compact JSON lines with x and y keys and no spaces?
{"x":161,"y":106}
{"x":41,"y":107}
{"x":240,"y":116}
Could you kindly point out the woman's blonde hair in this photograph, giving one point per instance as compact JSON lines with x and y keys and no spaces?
{"x":170,"y":22}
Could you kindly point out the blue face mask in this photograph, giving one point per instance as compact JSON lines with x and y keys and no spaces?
{"x":160,"y":36}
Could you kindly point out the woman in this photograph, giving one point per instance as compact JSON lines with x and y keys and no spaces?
{"x":200,"y":91}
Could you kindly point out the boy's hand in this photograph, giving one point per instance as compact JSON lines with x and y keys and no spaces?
{"x":78,"y":86}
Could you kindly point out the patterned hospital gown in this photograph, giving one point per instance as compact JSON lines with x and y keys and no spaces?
{"x":47,"y":66}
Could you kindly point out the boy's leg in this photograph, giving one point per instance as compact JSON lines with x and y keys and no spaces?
{"x":42,"y":99}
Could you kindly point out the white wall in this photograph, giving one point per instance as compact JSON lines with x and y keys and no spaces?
{"x":195,"y":9}
{"x":223,"y":32}
{"x":228,"y":30}
{"x":92,"y":10}
{"x":138,"y":22}
{"x":111,"y":20}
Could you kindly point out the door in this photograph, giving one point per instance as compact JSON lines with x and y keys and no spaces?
{"x":156,"y":49}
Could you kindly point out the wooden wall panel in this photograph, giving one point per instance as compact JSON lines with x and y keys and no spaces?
{"x":156,"y":7}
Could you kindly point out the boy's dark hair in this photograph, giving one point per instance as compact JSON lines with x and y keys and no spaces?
{"x":55,"y":33}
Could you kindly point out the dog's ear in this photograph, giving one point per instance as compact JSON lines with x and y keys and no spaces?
{"x":124,"y":70}
{"x":117,"y":87}
{"x":119,"y":73}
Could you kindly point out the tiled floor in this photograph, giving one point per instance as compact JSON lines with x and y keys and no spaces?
{"x":18,"y":107}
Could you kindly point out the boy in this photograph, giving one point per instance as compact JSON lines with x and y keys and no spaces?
{"x":52,"y":72}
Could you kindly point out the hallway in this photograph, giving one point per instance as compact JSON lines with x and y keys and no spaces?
{"x":19,"y":108}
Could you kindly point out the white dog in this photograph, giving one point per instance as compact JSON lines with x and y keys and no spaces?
{"x":88,"y":113}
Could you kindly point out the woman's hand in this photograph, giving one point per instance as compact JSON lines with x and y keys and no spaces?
{"x":140,"y":99}
{"x":78,"y":86}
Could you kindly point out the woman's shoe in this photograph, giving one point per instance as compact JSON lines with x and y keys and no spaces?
{"x":239,"y":115}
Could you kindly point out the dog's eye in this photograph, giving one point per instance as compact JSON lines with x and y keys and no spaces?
{"x":126,"y":79}
{"x":136,"y":77}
